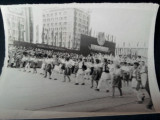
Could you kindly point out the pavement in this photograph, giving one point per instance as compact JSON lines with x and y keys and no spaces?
{"x":27,"y":91}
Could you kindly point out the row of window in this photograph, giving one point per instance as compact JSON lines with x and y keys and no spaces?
{"x":57,"y":28}
{"x":55,"y":14}
{"x":59,"y":23}
{"x":54,"y":19}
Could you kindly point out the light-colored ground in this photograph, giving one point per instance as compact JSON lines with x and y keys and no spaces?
{"x":28,"y":91}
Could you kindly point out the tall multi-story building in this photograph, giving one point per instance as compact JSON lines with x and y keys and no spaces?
{"x":19,"y":24}
{"x":63,"y":27}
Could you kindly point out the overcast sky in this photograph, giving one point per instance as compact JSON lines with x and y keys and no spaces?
{"x":129,"y":25}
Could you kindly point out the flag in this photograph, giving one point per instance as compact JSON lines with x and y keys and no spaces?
{"x":115,"y":39}
{"x":94,"y":34}
{"x":19,"y":31}
{"x":108,"y":37}
{"x":43,"y":35}
{"x":52,"y":36}
{"x":60,"y":36}
{"x":90,"y":32}
{"x":137,"y":44}
{"x":123,"y":44}
{"x":69,"y":41}
{"x":47,"y":36}
{"x":112,"y":38}
{"x":55,"y":38}
{"x":128,"y":44}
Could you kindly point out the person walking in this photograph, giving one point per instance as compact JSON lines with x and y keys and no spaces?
{"x":68,"y":70}
{"x":136,"y":83}
{"x":117,"y":80}
{"x":104,"y":77}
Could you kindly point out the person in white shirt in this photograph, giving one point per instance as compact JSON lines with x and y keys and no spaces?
{"x":80,"y":72}
{"x":144,"y":73}
{"x":35,"y":62}
{"x":22,"y":62}
{"x":104,"y":77}
{"x":88,"y":70}
{"x":27,"y":67}
{"x":125,"y":73}
{"x":42,"y":70}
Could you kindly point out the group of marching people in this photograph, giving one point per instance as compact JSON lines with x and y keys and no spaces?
{"x":98,"y":68}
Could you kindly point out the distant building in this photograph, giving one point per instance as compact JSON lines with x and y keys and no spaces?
{"x":19,"y":24}
{"x":132,"y":51}
{"x":63,"y":27}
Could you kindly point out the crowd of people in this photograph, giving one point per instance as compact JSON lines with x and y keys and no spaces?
{"x":99,"y":68}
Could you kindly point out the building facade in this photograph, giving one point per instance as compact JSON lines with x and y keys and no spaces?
{"x":129,"y":51}
{"x":19,"y":24}
{"x":63,"y":27}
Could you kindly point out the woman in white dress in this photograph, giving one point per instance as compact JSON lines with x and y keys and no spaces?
{"x":80,"y":72}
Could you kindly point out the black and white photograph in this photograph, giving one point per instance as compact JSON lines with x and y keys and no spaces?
{"x":77,"y":58}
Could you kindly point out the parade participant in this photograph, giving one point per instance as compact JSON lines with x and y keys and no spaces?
{"x":96,"y":73}
{"x":150,"y":104}
{"x":35,"y":62}
{"x":56,"y":65}
{"x":111,"y":69}
{"x":48,"y":67}
{"x":42,"y":70}
{"x":125,"y":73}
{"x":117,"y":80}
{"x":80,"y":72}
{"x":92,"y":67}
{"x":136,"y":82}
{"x":12,"y":61}
{"x":76,"y":67}
{"x":28,"y":64}
{"x":67,"y":71}
{"x":72,"y":63}
{"x":88,"y":70}
{"x":22,"y":62}
{"x":62,"y":64}
{"x":143,"y":72}
{"x":104,"y":77}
